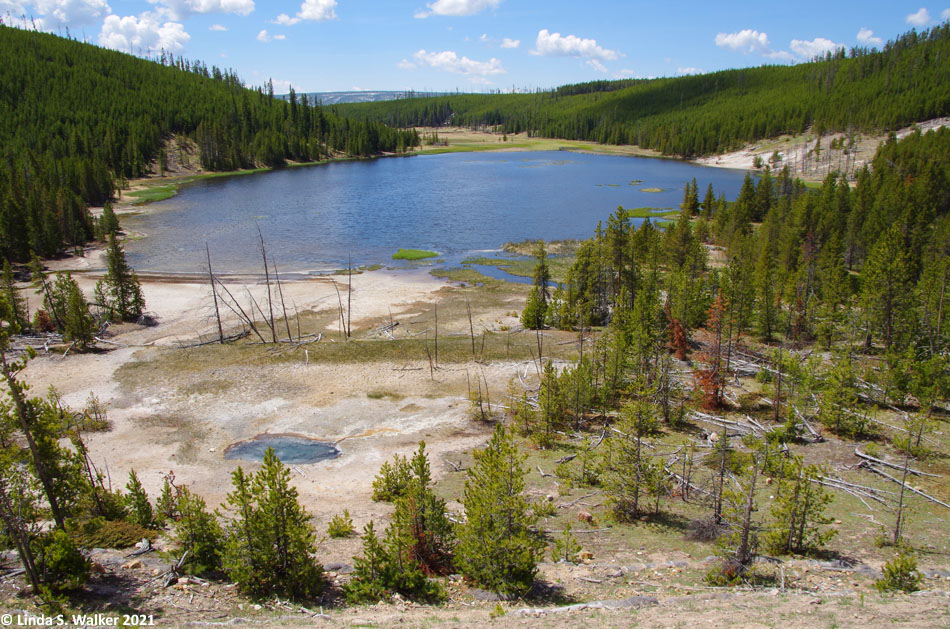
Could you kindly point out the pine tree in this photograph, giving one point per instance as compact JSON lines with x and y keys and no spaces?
{"x":78,"y":325}
{"x":119,"y":291}
{"x":136,"y":500}
{"x":14,"y":309}
{"x":108,"y":223}
{"x":270,"y":540}
{"x":532,"y":317}
{"x":372,"y":572}
{"x":797,"y":512}
{"x":887,"y":288}
{"x":198,"y":534}
{"x":709,"y":202}
{"x":739,"y":547}
{"x":496,"y":548}
{"x":631,"y":470}
{"x":839,"y":399}
{"x":425,"y":534}
{"x":766,"y":309}
{"x":43,"y":287}
{"x":41,"y":425}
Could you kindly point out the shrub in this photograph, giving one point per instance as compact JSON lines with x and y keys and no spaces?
{"x":543,"y":508}
{"x":102,"y":533}
{"x":341,"y":525}
{"x":393,"y":480}
{"x":900,"y":574}
{"x":705,"y":530}
{"x":60,"y":564}
{"x":382,"y":571}
{"x":199,"y":534}
{"x":566,"y":547}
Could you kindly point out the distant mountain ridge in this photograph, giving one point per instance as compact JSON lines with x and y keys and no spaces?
{"x":363,"y":96}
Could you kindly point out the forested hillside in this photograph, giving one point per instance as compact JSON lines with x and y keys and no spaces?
{"x":76,"y":119}
{"x":862,"y":90}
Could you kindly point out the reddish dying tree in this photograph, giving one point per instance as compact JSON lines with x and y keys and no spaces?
{"x":711,"y":380}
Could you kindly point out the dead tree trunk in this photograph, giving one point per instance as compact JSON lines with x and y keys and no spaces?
{"x":283,"y":305}
{"x":270,"y":303}
{"x":899,"y":523}
{"x":214,"y":296}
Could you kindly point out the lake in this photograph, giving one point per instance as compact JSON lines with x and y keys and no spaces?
{"x":317,"y":218}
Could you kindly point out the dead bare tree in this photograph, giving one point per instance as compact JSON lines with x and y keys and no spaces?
{"x":283,"y":305}
{"x":349,"y":295}
{"x":235,"y":307}
{"x":214,"y":296}
{"x":270,"y":303}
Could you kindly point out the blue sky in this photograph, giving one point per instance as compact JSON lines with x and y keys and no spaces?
{"x":473,"y":45}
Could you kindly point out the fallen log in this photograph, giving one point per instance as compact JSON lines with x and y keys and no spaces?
{"x":910,"y":470}
{"x":905,"y":485}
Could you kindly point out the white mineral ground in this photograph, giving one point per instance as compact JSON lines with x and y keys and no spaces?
{"x":184,"y":422}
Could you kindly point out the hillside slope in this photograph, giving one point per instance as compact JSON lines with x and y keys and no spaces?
{"x":690,"y":116}
{"x":76,"y":118}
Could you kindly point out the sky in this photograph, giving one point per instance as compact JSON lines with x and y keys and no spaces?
{"x":473,"y":45}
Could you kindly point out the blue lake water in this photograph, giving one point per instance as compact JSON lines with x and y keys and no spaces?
{"x":318,"y":218}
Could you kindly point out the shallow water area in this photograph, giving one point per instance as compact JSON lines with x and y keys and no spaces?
{"x":290,"y":449}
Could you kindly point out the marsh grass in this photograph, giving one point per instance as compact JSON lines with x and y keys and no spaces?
{"x":414,"y":254}
{"x":558,"y":264}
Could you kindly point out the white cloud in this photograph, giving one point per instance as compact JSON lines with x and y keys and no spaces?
{"x":266,"y":37}
{"x":921,"y":18}
{"x":66,"y":12}
{"x":285,"y":20}
{"x":782,"y":55}
{"x":405,"y":64}
{"x":11,"y":7}
{"x":689,"y":70}
{"x":457,"y":7}
{"x":280,"y":85}
{"x":448,"y":61}
{"x":866,"y":37}
{"x":217,"y":27}
{"x":816,"y":47}
{"x":317,"y":10}
{"x":181,"y":9}
{"x":597,"y":65}
{"x":484,"y":38}
{"x":745,"y":41}
{"x":625,"y":73}
{"x":945,"y":14}
{"x":145,"y":32}
{"x":312,"y":10}
{"x":553,"y":44}
{"x":507,"y":42}
{"x":751,"y":41}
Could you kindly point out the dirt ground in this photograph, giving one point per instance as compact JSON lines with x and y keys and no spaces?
{"x":792,"y":150}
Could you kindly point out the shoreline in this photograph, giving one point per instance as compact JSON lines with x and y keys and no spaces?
{"x":793,"y":150}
